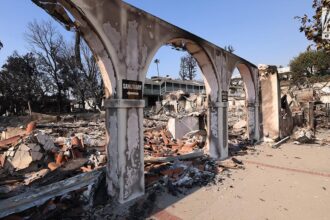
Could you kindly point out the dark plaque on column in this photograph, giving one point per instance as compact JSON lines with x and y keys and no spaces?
{"x":224,"y":96}
{"x":132,"y":89}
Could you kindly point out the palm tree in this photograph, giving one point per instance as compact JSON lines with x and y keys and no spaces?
{"x":157,"y":61}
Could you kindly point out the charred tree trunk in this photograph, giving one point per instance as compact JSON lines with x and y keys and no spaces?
{"x":59,"y":101}
{"x":77,"y":50}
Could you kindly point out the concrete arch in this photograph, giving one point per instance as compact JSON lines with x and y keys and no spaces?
{"x":251,"y":90}
{"x":248,"y":80}
{"x":125,"y":39}
{"x":209,"y":75}
{"x":203,"y":59}
{"x":63,"y":11}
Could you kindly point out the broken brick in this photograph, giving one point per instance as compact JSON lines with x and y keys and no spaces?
{"x":2,"y":160}
{"x":10,"y":141}
{"x":188,"y":147}
{"x":53,"y":166}
{"x":59,"y":158}
{"x":75,"y":142}
{"x":31,"y":127}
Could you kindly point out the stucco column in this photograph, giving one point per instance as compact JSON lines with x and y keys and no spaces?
{"x":223,"y":129}
{"x":218,"y":130}
{"x":125,"y":168}
{"x":251,"y":120}
{"x":257,"y":121}
{"x":213,"y":128}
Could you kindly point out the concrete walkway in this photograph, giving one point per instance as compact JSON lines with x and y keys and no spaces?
{"x":292,"y":182}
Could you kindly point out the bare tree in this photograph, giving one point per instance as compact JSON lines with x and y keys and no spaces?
{"x":183,"y":73}
{"x":47,"y":43}
{"x":188,"y":67}
{"x":1,"y":45}
{"x":83,"y":75}
{"x":93,"y":76}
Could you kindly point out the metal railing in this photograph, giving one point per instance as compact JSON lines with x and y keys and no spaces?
{"x":164,"y":89}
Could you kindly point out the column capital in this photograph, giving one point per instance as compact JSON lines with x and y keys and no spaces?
{"x":124,"y":103}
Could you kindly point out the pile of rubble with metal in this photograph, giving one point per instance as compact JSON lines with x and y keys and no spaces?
{"x":58,"y":168}
{"x":177,"y":178}
{"x":303,"y":136}
{"x":322,"y":115}
{"x":181,"y":160}
{"x":174,"y":145}
{"x":48,"y":161}
{"x":302,"y":115}
{"x":52,"y":146}
{"x":176,"y":105}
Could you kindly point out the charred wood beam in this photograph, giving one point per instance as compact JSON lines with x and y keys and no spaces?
{"x":192,"y":155}
{"x":38,"y":196}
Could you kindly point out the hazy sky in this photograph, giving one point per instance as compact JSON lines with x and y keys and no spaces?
{"x":261,"y":31}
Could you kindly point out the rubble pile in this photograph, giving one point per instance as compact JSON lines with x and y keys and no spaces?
{"x":160,"y":143}
{"x":183,"y":103}
{"x":64,"y":160}
{"x":176,"y":178}
{"x":174,"y":142}
{"x":304,"y":135}
{"x":176,"y":105}
{"x":176,"y":126}
{"x":237,"y":107}
{"x":239,"y":146}
{"x":153,"y":122}
{"x":322,"y":115}
{"x":238,"y":130}
{"x":236,"y":114}
{"x":237,"y":125}
{"x":70,"y":198}
{"x":56,"y":158}
{"x":174,"y":154}
{"x":180,"y":175}
{"x":307,"y":107}
{"x":308,"y":114}
{"x":37,"y":152}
